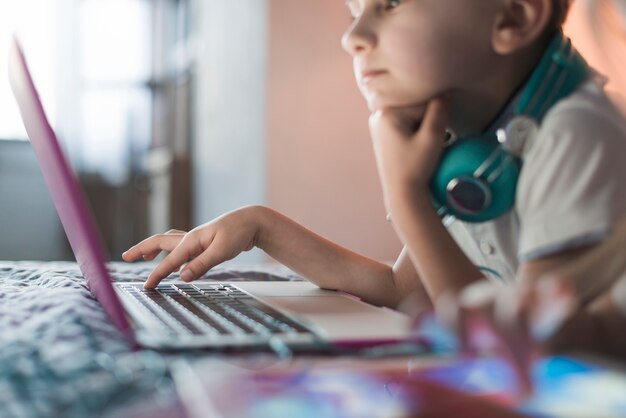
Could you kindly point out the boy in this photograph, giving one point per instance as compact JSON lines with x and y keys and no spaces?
{"x":582,"y":304}
{"x":424,"y":66}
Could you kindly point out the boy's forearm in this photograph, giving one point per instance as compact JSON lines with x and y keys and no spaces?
{"x":439,"y":261}
{"x":323,"y":262}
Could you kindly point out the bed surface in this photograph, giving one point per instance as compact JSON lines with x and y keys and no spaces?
{"x":60,"y":356}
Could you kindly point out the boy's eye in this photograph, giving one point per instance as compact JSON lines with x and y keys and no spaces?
{"x":355,"y":6}
{"x":393,"y":3}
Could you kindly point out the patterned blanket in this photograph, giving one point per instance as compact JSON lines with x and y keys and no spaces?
{"x":60,"y":356}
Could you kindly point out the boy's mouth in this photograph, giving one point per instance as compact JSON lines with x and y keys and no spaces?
{"x":367,"y":76}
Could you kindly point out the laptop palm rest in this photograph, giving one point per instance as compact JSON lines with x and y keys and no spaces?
{"x":334,"y":315}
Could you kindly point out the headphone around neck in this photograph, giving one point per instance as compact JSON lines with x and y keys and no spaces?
{"x":477,"y":176}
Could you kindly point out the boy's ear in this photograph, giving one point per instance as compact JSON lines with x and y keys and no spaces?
{"x":519,"y":23}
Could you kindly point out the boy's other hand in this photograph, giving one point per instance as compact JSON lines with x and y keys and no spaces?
{"x":201,"y":249}
{"x":408,"y":142}
{"x":492,"y":318}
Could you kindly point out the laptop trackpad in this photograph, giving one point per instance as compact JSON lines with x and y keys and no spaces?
{"x":320,"y":305}
{"x":339,"y":318}
{"x":333,"y":315}
{"x":283,"y":289}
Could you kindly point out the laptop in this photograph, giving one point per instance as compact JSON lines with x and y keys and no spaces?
{"x":206,"y":314}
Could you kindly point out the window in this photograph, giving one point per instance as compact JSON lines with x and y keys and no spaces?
{"x":115,"y":79}
{"x":34,"y":30}
{"x":115,"y":94}
{"x":92,"y":62}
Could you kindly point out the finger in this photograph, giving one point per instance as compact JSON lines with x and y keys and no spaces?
{"x":448,"y":313}
{"x":482,"y":329}
{"x":435,"y":119}
{"x":511,"y":327}
{"x":408,"y":120}
{"x":156,"y":243}
{"x":189,"y":247}
{"x":554,"y":303}
{"x":416,"y":306}
{"x":151,"y":256}
{"x":403,"y":121}
{"x":213,"y":255}
{"x":476,"y":305}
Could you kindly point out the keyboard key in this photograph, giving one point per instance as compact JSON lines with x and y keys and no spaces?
{"x":220,"y":309}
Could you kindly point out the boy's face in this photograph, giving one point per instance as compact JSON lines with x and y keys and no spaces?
{"x":406,"y":52}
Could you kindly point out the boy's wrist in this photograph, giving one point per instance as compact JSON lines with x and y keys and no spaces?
{"x":408,"y":201}
{"x":261,"y":217}
{"x":407,"y":193}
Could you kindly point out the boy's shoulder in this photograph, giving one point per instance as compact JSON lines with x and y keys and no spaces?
{"x":587,"y":119}
{"x":590,"y":108}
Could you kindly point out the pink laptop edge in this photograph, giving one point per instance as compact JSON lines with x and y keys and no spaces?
{"x":65,"y":190}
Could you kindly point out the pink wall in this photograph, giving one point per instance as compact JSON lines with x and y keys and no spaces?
{"x":320,"y":166}
{"x":603,"y":44}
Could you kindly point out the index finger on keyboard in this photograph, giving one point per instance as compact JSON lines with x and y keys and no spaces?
{"x":179,"y":256}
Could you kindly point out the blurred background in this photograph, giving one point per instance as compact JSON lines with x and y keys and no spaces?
{"x":176,"y":111}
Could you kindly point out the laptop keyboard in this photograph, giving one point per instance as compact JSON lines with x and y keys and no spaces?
{"x":221,"y":309}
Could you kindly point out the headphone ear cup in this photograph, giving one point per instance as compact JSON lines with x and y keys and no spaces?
{"x":476,"y":178}
{"x":461,"y":160}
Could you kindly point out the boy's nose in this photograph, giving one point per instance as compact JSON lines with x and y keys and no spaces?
{"x":359,"y":37}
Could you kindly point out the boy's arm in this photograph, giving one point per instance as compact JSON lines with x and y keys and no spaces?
{"x":531,"y":271}
{"x":440,"y":262}
{"x":332,"y":266}
{"x":408,"y":142}
{"x":323,"y":262}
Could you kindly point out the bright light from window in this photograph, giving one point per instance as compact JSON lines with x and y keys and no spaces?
{"x":31,"y":20}
{"x":10,"y":123}
{"x":91,"y":61}
{"x":115,"y":67}
{"x":115,"y":41}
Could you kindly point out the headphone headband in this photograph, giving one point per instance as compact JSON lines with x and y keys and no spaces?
{"x":559,"y":72}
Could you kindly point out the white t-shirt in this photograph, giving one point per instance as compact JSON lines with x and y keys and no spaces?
{"x":572,"y":187}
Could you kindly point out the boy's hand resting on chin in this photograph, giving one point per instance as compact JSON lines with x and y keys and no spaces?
{"x":407,"y":143}
{"x":202,"y":248}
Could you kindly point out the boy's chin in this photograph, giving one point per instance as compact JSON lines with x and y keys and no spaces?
{"x":375,"y":104}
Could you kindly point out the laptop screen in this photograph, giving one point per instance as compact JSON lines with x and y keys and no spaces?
{"x":66,"y":193}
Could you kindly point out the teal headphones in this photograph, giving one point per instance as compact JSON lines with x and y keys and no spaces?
{"x":477,"y":176}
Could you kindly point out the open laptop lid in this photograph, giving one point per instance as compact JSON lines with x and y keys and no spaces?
{"x":66,"y":193}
